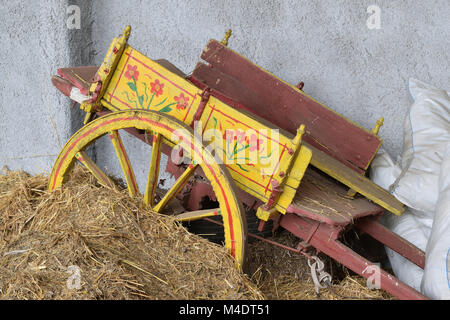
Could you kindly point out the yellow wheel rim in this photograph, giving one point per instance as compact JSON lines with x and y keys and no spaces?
{"x":161,"y":125}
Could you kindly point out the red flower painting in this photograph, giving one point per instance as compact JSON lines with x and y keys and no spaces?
{"x":255,"y":143}
{"x":156,"y":88}
{"x":182,"y":101}
{"x":132,"y":72}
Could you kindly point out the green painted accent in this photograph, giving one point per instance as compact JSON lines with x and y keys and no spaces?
{"x":132,"y":86}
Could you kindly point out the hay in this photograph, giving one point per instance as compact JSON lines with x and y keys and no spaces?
{"x":121,"y":250}
{"x":284,"y":275}
{"x":125,"y":252}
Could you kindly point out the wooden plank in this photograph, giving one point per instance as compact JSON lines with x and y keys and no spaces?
{"x":102,"y":178}
{"x":153,"y":171}
{"x":322,"y":199}
{"x":203,"y":76}
{"x":325,"y":127}
{"x":234,"y":93}
{"x":81,"y":77}
{"x":359,"y":183}
{"x":198,"y":214}
{"x":124,"y":163}
{"x":391,"y":240}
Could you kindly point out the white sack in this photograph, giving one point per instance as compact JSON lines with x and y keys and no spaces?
{"x":414,"y":230}
{"x":383,"y":171}
{"x":436,"y":279}
{"x":426,"y":132}
{"x":413,"y":225}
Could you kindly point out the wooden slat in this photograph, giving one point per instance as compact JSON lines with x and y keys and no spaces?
{"x":196,"y":215}
{"x":101,"y":177}
{"x":228,"y":85}
{"x":81,"y":77}
{"x":124,"y":163}
{"x":153,"y":171}
{"x":287,"y":107}
{"x":176,"y":188}
{"x":323,"y":199}
{"x":391,"y":240}
{"x":359,"y":183}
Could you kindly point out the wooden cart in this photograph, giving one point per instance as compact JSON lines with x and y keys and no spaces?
{"x":237,"y":136}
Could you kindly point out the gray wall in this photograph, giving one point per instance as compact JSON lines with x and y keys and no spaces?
{"x":360,"y":73}
{"x":35,"y":119}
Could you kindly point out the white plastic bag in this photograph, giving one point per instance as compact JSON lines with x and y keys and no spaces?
{"x":413,"y":225}
{"x":414,"y":230}
{"x":424,"y":185}
{"x":383,"y":171}
{"x":426,"y":132}
{"x":436,"y":279}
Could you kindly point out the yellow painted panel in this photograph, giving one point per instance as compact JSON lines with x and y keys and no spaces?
{"x":141,"y":83}
{"x":254,"y":153}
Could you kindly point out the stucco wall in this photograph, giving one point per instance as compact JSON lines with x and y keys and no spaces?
{"x":360,"y":73}
{"x":35,"y":119}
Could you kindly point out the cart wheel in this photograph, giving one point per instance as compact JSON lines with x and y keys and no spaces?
{"x":165,"y":130}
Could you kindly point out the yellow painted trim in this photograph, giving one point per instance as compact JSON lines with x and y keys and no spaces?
{"x":294,"y":178}
{"x":124,"y":162}
{"x":101,"y":177}
{"x":232,"y":212}
{"x":176,"y":188}
{"x":153,"y":171}
{"x":197,"y":215}
{"x":109,"y":64}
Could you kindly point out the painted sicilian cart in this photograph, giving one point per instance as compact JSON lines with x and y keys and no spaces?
{"x":242,"y":144}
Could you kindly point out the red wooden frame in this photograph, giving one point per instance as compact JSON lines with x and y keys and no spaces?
{"x":325,"y":238}
{"x":239,"y":79}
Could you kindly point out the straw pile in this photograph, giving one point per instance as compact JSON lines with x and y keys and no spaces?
{"x":87,"y":242}
{"x":121,"y":251}
{"x":281,"y":274}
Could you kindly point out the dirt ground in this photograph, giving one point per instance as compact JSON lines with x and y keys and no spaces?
{"x":87,"y":242}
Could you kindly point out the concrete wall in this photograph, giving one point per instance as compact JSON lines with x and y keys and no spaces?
{"x":361,"y":73}
{"x":35,"y":119}
{"x":34,"y":122}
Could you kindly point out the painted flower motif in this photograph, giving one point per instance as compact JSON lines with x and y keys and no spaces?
{"x":182,"y":101}
{"x":156,"y":87}
{"x":235,"y":135}
{"x":228,"y":136}
{"x":255,"y":143}
{"x":132,"y":72}
{"x":240,"y":136}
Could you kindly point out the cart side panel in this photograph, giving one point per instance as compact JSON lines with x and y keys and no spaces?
{"x":257,"y":154}
{"x":286,"y":106}
{"x":141,"y":83}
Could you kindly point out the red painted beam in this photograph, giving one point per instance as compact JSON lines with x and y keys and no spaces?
{"x":285,"y":106}
{"x":325,"y":240}
{"x":400,"y":245}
